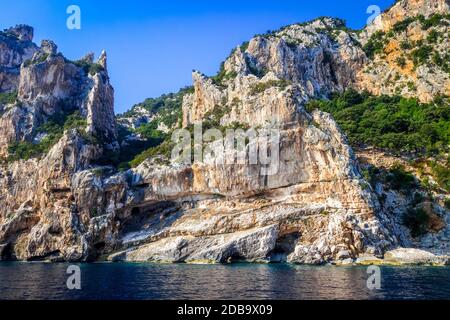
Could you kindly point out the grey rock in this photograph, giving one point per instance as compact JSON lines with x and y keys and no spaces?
{"x":317,"y":209}
{"x":22,"y":32}
{"x":49,"y":47}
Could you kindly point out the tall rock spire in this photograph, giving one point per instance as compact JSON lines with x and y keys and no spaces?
{"x":100,"y":105}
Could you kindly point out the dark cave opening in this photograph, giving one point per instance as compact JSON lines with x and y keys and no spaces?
{"x":7,"y":254}
{"x":135,"y":211}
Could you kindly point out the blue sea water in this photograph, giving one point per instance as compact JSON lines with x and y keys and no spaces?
{"x":239,"y":281}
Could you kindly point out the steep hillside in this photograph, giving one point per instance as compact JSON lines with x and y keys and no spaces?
{"x":74,"y":189}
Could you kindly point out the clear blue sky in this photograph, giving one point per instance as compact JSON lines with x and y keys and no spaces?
{"x":154,"y":45}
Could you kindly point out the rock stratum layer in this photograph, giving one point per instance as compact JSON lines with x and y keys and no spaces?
{"x":68,"y":204}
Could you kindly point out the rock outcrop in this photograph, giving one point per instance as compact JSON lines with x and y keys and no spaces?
{"x":317,"y":201}
{"x":15,"y":48}
{"x":409,"y":48}
{"x":310,"y":205}
{"x":308,"y":61}
{"x":405,"y":257}
{"x":404,"y":9}
{"x":63,"y":108}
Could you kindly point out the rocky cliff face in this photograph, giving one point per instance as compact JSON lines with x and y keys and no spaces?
{"x":15,"y":48}
{"x":404,"y":9}
{"x":408,"y":48}
{"x":59,"y":112}
{"x":315,"y":208}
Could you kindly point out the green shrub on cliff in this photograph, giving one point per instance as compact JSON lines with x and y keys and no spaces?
{"x":447,"y":204}
{"x":167,"y":106}
{"x":403,"y":25}
{"x":42,"y":58}
{"x":167,"y":111}
{"x":434,"y":20}
{"x":223,"y":76}
{"x":150,"y":131}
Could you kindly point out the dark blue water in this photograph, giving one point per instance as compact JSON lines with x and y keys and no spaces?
{"x":240,"y":281}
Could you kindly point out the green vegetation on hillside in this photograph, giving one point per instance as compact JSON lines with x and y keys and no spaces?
{"x":53,"y":130}
{"x":401,"y":180}
{"x":260,"y":87}
{"x":89,"y":68}
{"x":441,"y":174}
{"x":150,"y":131}
{"x":223,"y":76}
{"x":418,"y":192}
{"x":8,"y":97}
{"x":434,"y":20}
{"x":398,"y":125}
{"x":426,"y":23}
{"x":167,"y":111}
{"x":375,"y":45}
{"x":167,"y":106}
{"x":397,"y":178}
{"x":419,"y":51}
{"x":163,"y":142}
{"x":417,"y":220}
{"x":393,"y":123}
{"x":163,"y":149}
{"x":42,"y":58}
{"x":129,"y":150}
{"x":422,"y":54}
